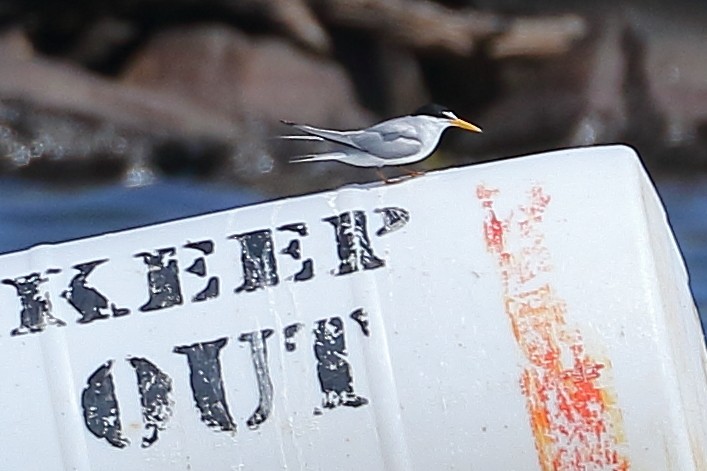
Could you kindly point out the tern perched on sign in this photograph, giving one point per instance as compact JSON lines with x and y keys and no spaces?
{"x":398,"y":141}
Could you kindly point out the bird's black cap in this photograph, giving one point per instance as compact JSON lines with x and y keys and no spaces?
{"x":432,"y":109}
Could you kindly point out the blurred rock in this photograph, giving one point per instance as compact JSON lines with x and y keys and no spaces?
{"x":673,"y":67}
{"x":296,"y":17}
{"x":262,"y":78}
{"x":52,"y":84}
{"x":638,"y":78}
{"x":62,"y":123}
{"x":102,"y":42}
{"x":604,"y":115}
{"x":133,"y":90}
{"x":208,"y":109}
{"x":254,"y":83}
{"x":402,"y":80}
{"x":538,"y":37}
{"x":403,"y":21}
{"x":455,"y":31}
{"x":538,"y":104}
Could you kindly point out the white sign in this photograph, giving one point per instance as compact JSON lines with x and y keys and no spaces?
{"x":530,"y":314}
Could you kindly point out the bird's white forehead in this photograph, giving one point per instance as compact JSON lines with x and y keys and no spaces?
{"x":449,"y":114}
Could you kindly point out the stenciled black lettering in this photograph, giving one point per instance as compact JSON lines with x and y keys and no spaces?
{"x":88,"y":301}
{"x":198,"y":268}
{"x":35,"y":314}
{"x":333,"y":370}
{"x":257,"y":259}
{"x":162,"y":280}
{"x":101,"y":413}
{"x":155,"y":388}
{"x":361,"y":318}
{"x":289,"y":333}
{"x":259,"y":355}
{"x":393,"y":219}
{"x":294,"y":250}
{"x":352,"y":242}
{"x":207,"y":383}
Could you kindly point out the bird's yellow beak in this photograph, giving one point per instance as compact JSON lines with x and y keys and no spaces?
{"x":460,"y":123}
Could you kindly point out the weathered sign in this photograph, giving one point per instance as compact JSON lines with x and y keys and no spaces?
{"x":530,"y":314}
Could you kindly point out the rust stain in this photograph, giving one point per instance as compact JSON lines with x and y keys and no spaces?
{"x":573,"y":413}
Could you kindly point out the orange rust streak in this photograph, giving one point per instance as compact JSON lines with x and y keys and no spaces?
{"x":493,"y":232}
{"x":484,"y":193}
{"x":574,"y":420}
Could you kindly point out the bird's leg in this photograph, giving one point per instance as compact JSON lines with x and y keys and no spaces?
{"x":384,"y":178}
{"x":381,"y":175}
{"x":413,"y":171}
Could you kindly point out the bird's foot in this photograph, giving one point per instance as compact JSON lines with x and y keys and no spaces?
{"x":415,"y":173}
{"x":386,"y":179}
{"x":390,"y":181}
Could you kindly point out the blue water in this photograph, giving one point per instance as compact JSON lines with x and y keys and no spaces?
{"x":686,"y":203}
{"x":31,"y":214}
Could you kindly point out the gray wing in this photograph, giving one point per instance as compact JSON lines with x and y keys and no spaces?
{"x":388,"y":140}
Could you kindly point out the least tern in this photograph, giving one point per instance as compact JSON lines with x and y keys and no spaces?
{"x":398,"y":141}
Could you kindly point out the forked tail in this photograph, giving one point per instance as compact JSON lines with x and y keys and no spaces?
{"x":318,"y":157}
